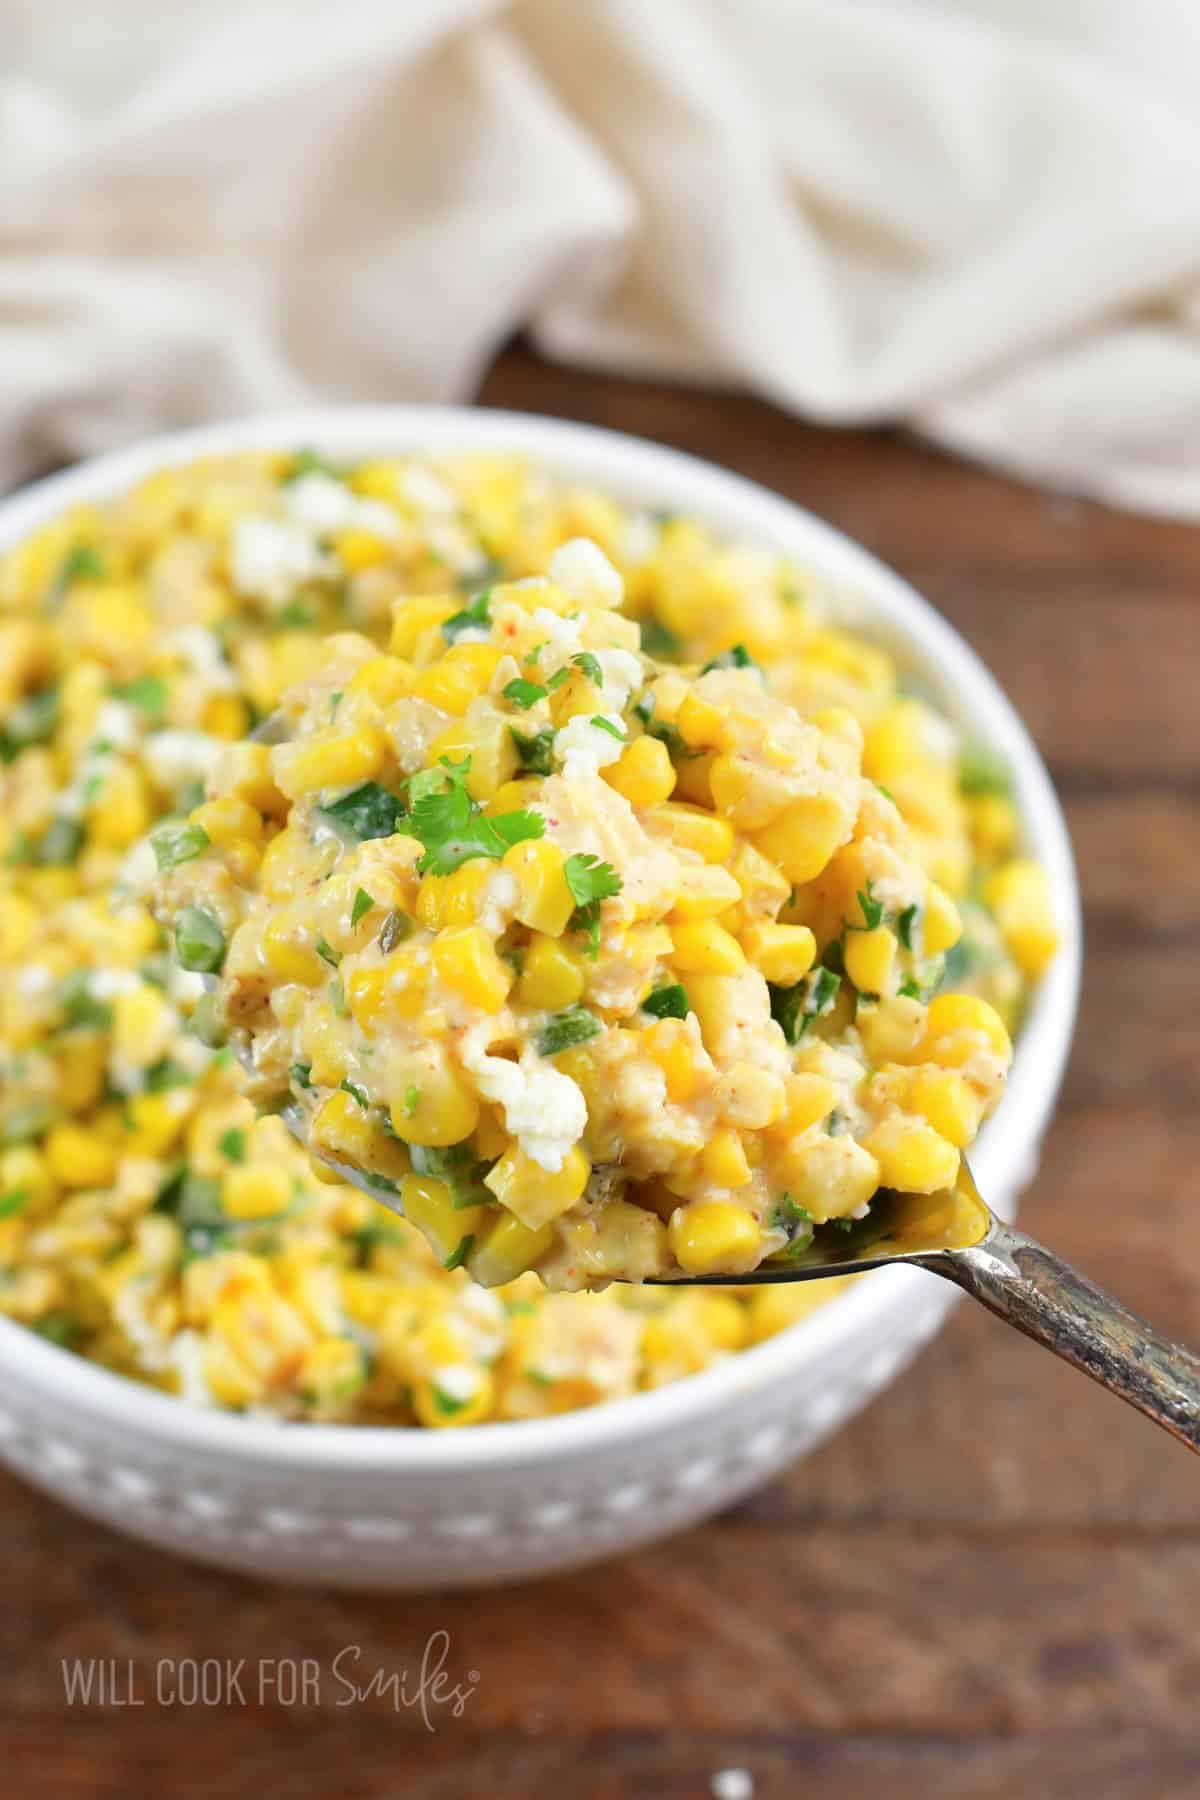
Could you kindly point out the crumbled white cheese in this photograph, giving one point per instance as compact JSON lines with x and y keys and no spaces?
{"x":106,"y":984}
{"x":562,"y":639}
{"x":581,"y":567}
{"x":325,"y":505}
{"x":186,"y":1356}
{"x":272,"y":557}
{"x":623,"y":676}
{"x":585,"y":748}
{"x":174,"y":757}
{"x":201,"y":650}
{"x":183,"y":984}
{"x":139,"y":868}
{"x":458,"y":1381}
{"x":129,"y":1310}
{"x":117,"y":725}
{"x":426,"y":491}
{"x":34,"y":979}
{"x":499,"y":901}
{"x":474,"y":634}
{"x":543,"y":1109}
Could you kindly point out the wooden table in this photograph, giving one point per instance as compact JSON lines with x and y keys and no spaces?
{"x":988,"y":1587}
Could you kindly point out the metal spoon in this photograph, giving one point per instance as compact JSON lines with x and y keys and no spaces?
{"x":957,"y":1235}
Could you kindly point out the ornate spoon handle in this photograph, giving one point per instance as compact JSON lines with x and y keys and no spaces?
{"x":1048,"y":1300}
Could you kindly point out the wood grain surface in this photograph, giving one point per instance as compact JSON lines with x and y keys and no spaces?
{"x":988,"y":1587}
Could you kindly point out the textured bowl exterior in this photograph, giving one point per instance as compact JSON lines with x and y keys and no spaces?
{"x":385,"y":1508}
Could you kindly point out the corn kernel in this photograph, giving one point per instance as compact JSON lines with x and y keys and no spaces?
{"x":466,"y":959}
{"x":255,"y":1191}
{"x":782,"y":954}
{"x":78,"y":1158}
{"x":430,"y":1102}
{"x":551,"y":976}
{"x":948,"y":1102}
{"x":951,"y":1013}
{"x":693,"y":828}
{"x":705,"y":891}
{"x":507,"y":1249}
{"x":912,"y":1156}
{"x":750,"y":1097}
{"x":414,"y":616}
{"x":870,"y":959}
{"x":803,"y":838}
{"x":808,"y":1099}
{"x":342,"y":1130}
{"x":439,"y":1409}
{"x":329,"y":762}
{"x":225,"y":716}
{"x":723,"y":1160}
{"x":644,"y":772}
{"x":536,"y":1196}
{"x":458,"y":677}
{"x":1019,"y":895}
{"x":429,"y":1204}
{"x":287,"y":947}
{"x":18,"y":925}
{"x":227,"y":820}
{"x":385,"y":679}
{"x":714,"y":1237}
{"x":705,"y":946}
{"x":357,"y":549}
{"x":942,"y":925}
{"x":544,"y":901}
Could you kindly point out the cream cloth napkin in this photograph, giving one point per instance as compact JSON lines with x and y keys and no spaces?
{"x":979,"y":217}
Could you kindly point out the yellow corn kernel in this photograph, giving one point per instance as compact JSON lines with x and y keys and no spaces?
{"x":808,"y":1099}
{"x":19,"y":921}
{"x":288,"y":949}
{"x":414,"y":616}
{"x":429,"y":1204}
{"x":644,"y":772}
{"x":1019,"y":895}
{"x":671,"y":1045}
{"x":782,"y":954}
{"x":723,"y":1160}
{"x":508,"y":1249}
{"x":431,"y":1103}
{"x":993,"y":822}
{"x":544,"y":901}
{"x":385,"y":679}
{"x":693,"y":828}
{"x":395,"y":988}
{"x":341,"y":1129}
{"x":142,"y":1027}
{"x":870,"y":959}
{"x":330,"y":1376}
{"x":122,"y":813}
{"x":706,"y":947}
{"x":750,"y":1097}
{"x":227,"y":1377}
{"x":714,"y":1237}
{"x":773,"y":1309}
{"x":490,"y":1136}
{"x":225,"y":716}
{"x":948,"y":1102}
{"x":380,"y":479}
{"x":535,"y":1195}
{"x":155,"y":1121}
{"x":705,"y":891}
{"x":892,"y":1031}
{"x":942,"y":925}
{"x":701,"y":722}
{"x":255,"y":1191}
{"x":441,"y":1410}
{"x":244,"y":771}
{"x":803,"y":838}
{"x":488,"y":742}
{"x":23,"y":1171}
{"x":458,"y":899}
{"x":551,"y":976}
{"x":912,"y":1156}
{"x":466,"y":959}
{"x":511,"y":796}
{"x":952,"y":1013}
{"x":228,"y":820}
{"x":79,"y":1158}
{"x":357,"y":549}
{"x":329,"y":762}
{"x":458,"y":677}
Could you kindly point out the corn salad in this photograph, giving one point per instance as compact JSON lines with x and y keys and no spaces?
{"x":148,"y":1219}
{"x":604,"y":966}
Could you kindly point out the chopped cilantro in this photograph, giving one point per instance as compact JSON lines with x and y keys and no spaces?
{"x":199,"y":940}
{"x":603,"y":724}
{"x":872,"y":909}
{"x":368,"y":811}
{"x":58,"y":1327}
{"x":301,"y":1074}
{"x":26,"y":1123}
{"x":669,"y":1002}
{"x":83,"y":562}
{"x":534,"y":751}
{"x":589,"y":667}
{"x":176,"y":844}
{"x":61,"y":842}
{"x":300,"y":614}
{"x":310,"y":462}
{"x":80,"y":1006}
{"x":905,"y":925}
{"x":459,"y":1167}
{"x":460,"y":1253}
{"x":356,"y":1093}
{"x":524,"y":693}
{"x":451,"y":826}
{"x":982,"y":770}
{"x":232,"y":1144}
{"x":590,"y":882}
{"x":29,"y":721}
{"x":793,"y":1008}
{"x":836,"y":1124}
{"x":15,"y":1201}
{"x":327,"y":953}
{"x":478,"y":613}
{"x":167,"y":1073}
{"x":736,"y":657}
{"x":565,"y":1029}
{"x":148,"y":693}
{"x":363,"y":902}
{"x":910,"y":989}
{"x":659,"y":641}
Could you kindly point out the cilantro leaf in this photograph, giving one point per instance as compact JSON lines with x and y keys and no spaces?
{"x":590,"y":881}
{"x":148,"y":693}
{"x":363,"y":902}
{"x":471,"y":618}
{"x":603,"y":724}
{"x":905,"y":925}
{"x":659,"y":641}
{"x":982,"y":770}
{"x":83,"y":562}
{"x":232,"y":1144}
{"x":794,"y":1008}
{"x":872,"y":909}
{"x":327,"y":953}
{"x":589,"y":666}
{"x":668,"y":1002}
{"x":574,"y":1025}
{"x":534,"y":751}
{"x":451,"y":826}
{"x":368,"y":811}
{"x":524,"y":693}
{"x":736,"y":657}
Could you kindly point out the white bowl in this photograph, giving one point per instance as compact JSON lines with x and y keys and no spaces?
{"x":361,"y":1507}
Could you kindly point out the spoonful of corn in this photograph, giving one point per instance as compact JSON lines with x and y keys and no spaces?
{"x":612,"y":970}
